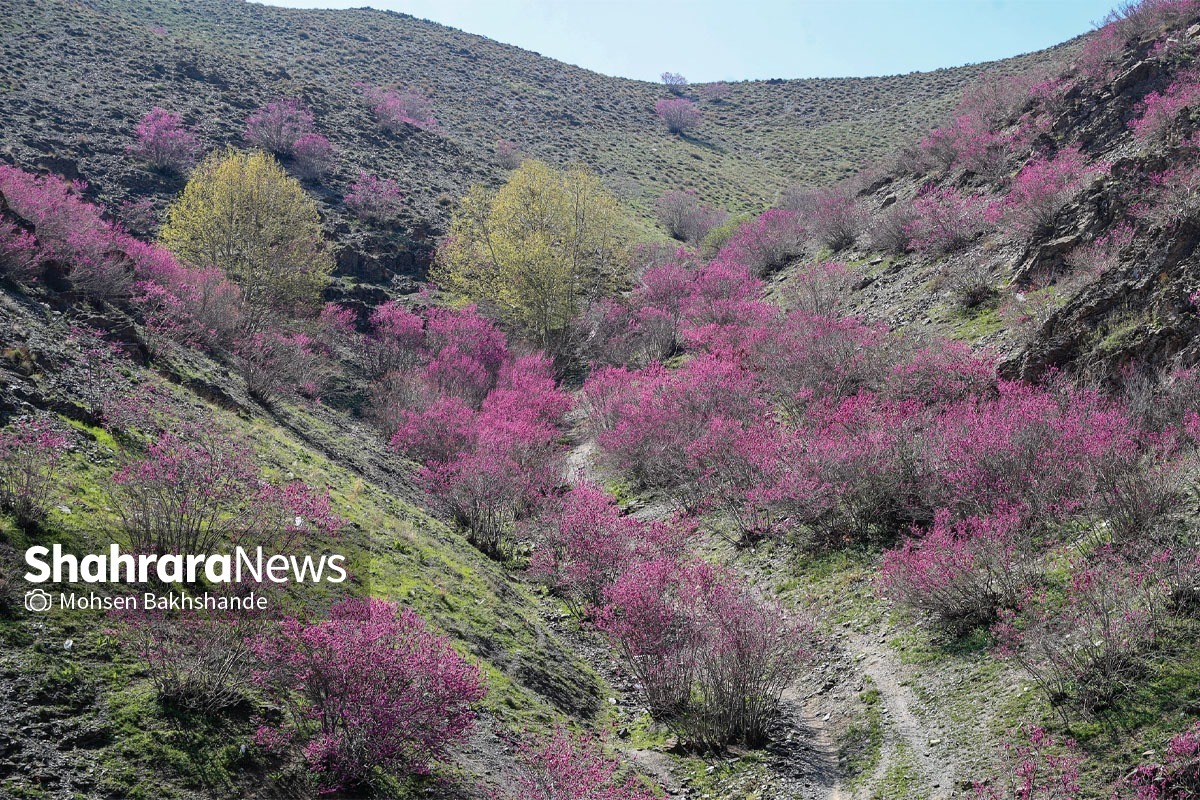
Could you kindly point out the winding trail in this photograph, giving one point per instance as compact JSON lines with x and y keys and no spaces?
{"x":803,"y":753}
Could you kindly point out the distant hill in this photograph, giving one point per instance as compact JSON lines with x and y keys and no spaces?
{"x":78,"y":74}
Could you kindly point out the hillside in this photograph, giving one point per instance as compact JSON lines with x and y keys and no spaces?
{"x":77,"y":76}
{"x":885,"y":492}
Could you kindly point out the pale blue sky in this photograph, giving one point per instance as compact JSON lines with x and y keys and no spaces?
{"x":708,"y":40}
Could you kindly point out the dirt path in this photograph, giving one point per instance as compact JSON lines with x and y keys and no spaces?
{"x":908,"y":737}
{"x":803,"y":754}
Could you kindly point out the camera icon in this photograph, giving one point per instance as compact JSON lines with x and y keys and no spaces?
{"x":38,"y":600}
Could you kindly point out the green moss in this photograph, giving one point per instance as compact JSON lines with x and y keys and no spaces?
{"x":902,"y":781}
{"x":861,"y":746}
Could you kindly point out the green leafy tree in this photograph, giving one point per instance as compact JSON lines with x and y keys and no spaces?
{"x":242,"y":213}
{"x":537,"y":250}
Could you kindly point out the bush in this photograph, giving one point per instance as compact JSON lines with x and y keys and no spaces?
{"x":681,"y":116}
{"x":766,"y":243}
{"x":1043,"y":769}
{"x":582,"y":546}
{"x":199,"y":663}
{"x":314,"y":156}
{"x":566,"y":766}
{"x":19,"y":255}
{"x":279,"y":125}
{"x":371,"y":687}
{"x":375,"y":199}
{"x":1174,"y":198}
{"x":715,"y":92}
{"x":396,"y":340}
{"x":30,"y":450}
{"x":887,"y":230}
{"x":276,"y":364}
{"x":968,"y":143}
{"x":676,"y":84}
{"x":1088,"y":650}
{"x":191,"y":307}
{"x":833,"y":216}
{"x":685,"y":217}
{"x":396,"y":109}
{"x":195,"y":489}
{"x":1157,"y":112}
{"x":489,"y":468}
{"x":944,"y":220}
{"x":968,"y":281}
{"x":163,"y":142}
{"x":1101,"y":254}
{"x":508,"y":154}
{"x":712,"y":658}
{"x":1175,"y":777}
{"x":242,"y":213}
{"x":1043,"y":188}
{"x":55,"y":225}
{"x":963,"y":572}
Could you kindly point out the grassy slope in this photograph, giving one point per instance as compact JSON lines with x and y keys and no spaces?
{"x":97,"y":692}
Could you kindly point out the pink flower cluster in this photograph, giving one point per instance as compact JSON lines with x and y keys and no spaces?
{"x":369,"y":688}
{"x":163,"y":142}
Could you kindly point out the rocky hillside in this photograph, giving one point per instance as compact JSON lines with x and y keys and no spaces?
{"x":1101,"y":277}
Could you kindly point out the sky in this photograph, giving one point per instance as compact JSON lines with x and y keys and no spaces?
{"x":711,"y":40}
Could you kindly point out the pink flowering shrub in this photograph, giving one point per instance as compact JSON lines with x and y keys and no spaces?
{"x":659,"y":414}
{"x":833,"y":216}
{"x":279,"y":125}
{"x":1044,"y":187}
{"x":314,"y":156}
{"x":396,"y":339}
{"x":184,"y":305}
{"x":19,"y":255}
{"x":962,"y":572}
{"x":969,"y":143}
{"x":371,"y":688}
{"x":163,"y":142}
{"x":396,"y":109}
{"x":1039,"y":769}
{"x":193,"y":490}
{"x":1028,"y":447}
{"x":1175,"y":777}
{"x":66,"y":231}
{"x":712,"y":658}
{"x":676,"y":84}
{"x":375,"y":199}
{"x":1103,"y":253}
{"x":680,"y":115}
{"x":1157,"y":112}
{"x":945,"y":220}
{"x":566,"y":766}
{"x":582,"y":546}
{"x":767,"y":242}
{"x":647,"y":324}
{"x":276,"y":364}
{"x":30,"y":450}
{"x":1173,"y":198}
{"x":715,"y":92}
{"x":1084,"y":651}
{"x":483,"y":423}
{"x":508,"y":154}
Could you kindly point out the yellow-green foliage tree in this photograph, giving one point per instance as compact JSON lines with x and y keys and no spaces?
{"x":242,"y":213}
{"x":538,"y":249}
